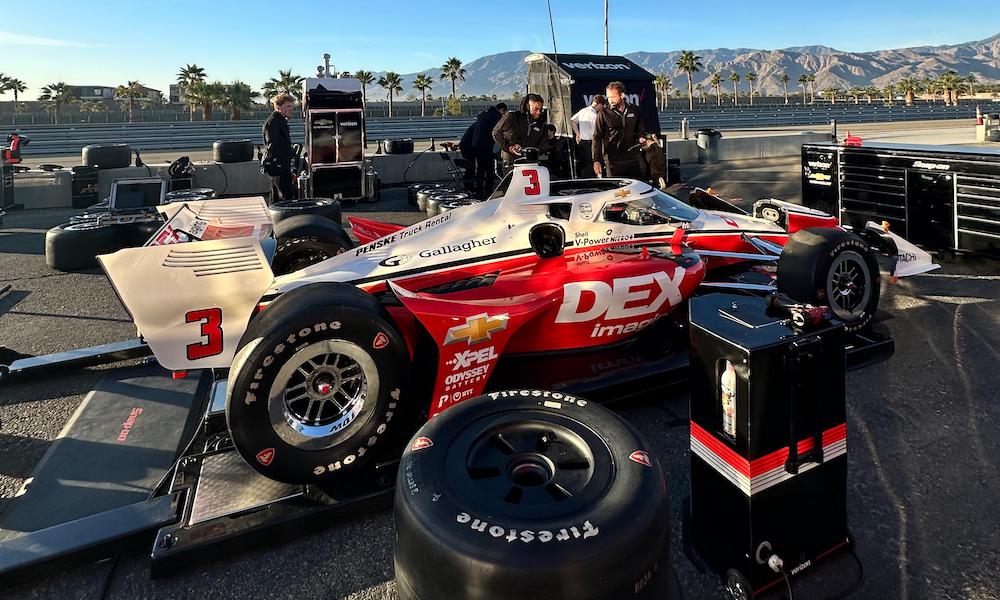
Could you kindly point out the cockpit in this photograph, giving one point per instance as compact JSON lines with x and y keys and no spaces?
{"x":657,"y":208}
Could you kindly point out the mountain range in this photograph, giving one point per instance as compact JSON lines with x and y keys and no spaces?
{"x":504,"y":73}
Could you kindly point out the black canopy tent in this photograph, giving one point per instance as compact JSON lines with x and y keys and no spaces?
{"x":570,"y":83}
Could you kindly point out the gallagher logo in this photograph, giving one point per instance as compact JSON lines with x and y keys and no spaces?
{"x":477,"y":329}
{"x":395,"y":261}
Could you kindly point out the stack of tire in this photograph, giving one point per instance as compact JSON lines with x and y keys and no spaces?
{"x":307,"y":231}
{"x":418,"y":193}
{"x":530,"y":494}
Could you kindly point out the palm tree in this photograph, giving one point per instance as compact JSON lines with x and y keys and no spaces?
{"x":870,"y":92}
{"x":689,"y":64}
{"x":452,"y":69}
{"x":206,"y":95}
{"x":784,"y":79}
{"x":950,"y":83}
{"x":392,"y":82}
{"x":4,"y":82}
{"x":366,"y":78}
{"x":700,"y":88}
{"x":237,"y":97}
{"x":888,"y":92}
{"x":831,"y":92}
{"x":972,"y":81}
{"x":285,"y":82}
{"x":910,"y":87}
{"x":17,"y":86}
{"x":661,"y":83}
{"x":55,"y":95}
{"x":128,"y":93}
{"x":812,"y":87}
{"x":751,"y":77}
{"x":422,"y":83}
{"x":803,"y":81}
{"x":188,"y":76}
{"x":735,"y":78}
{"x":855,"y":92}
{"x":716,"y":83}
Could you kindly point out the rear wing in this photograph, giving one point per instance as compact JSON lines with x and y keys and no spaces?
{"x":191,"y":302}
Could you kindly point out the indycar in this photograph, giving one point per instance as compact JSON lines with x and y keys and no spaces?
{"x":328,"y":363}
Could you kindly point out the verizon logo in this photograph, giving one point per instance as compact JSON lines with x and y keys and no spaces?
{"x":597,"y":66}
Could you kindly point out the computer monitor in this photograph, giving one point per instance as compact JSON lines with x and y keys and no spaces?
{"x":137,"y":193}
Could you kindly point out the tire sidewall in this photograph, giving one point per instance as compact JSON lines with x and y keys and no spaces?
{"x":823,"y":273}
{"x":259,"y":362}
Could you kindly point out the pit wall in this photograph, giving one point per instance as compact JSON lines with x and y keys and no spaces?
{"x":40,"y":189}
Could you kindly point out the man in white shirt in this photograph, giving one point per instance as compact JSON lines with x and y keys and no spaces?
{"x":583,"y":127}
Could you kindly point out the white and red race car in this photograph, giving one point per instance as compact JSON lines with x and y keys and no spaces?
{"x":328,"y":362}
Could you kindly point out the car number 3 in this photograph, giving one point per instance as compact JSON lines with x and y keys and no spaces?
{"x":211,"y":333}
{"x":533,"y":188}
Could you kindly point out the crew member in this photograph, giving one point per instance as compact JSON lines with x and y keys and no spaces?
{"x":617,"y":136}
{"x":657,"y":160}
{"x":583,"y":129}
{"x":468,"y":152}
{"x":482,"y":147}
{"x":278,"y":154}
{"x":522,"y":128}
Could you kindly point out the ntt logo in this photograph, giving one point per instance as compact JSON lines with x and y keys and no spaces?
{"x":598,"y":66}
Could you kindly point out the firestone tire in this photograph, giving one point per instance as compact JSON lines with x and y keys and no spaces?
{"x":106,"y":156}
{"x":323,"y":207}
{"x":232,"y":151}
{"x":835,"y":268}
{"x":316,"y":386}
{"x":530,"y":494}
{"x":305,"y":240}
{"x":75,"y":246}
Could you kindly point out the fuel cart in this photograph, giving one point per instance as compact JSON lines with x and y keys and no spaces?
{"x":768,"y":441}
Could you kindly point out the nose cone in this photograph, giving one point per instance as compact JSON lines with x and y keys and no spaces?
{"x":694,"y":274}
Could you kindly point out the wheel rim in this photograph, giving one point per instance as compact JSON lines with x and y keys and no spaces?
{"x":529,"y":463}
{"x":320,"y":392}
{"x":309,"y":256}
{"x":848,"y":286}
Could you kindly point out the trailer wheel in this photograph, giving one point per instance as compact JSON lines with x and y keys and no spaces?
{"x":831,"y":267}
{"x":317,"y":384}
{"x":323,"y":207}
{"x":75,"y":246}
{"x":305,"y":240}
{"x":530,"y":494}
{"x":232,"y":151}
{"x":738,"y":585}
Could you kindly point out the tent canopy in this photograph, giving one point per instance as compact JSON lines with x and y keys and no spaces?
{"x":570,"y":84}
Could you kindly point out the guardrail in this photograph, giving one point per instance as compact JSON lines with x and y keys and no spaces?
{"x":62,"y":139}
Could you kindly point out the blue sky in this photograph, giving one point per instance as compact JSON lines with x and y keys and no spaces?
{"x":110,"y":42}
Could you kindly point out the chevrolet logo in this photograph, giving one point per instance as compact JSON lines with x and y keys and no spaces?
{"x":623,"y":193}
{"x":476,"y":329}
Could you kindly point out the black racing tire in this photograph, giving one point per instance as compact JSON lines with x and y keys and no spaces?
{"x":232,"y":151}
{"x":50,"y":167}
{"x":137,"y":234}
{"x":832,"y":267}
{"x":404,"y":146}
{"x":323,"y":207}
{"x":530,"y":494}
{"x":305,"y":240}
{"x":75,"y":246}
{"x":106,"y":156}
{"x":282,"y":420}
{"x":737,"y":585}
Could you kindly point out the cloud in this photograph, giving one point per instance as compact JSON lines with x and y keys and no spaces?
{"x":17,"y":39}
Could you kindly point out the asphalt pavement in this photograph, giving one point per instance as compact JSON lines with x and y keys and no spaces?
{"x":922,"y":436}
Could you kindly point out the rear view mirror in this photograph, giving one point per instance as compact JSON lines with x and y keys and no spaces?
{"x":547,"y":240}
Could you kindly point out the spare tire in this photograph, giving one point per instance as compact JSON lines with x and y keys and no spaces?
{"x":432,"y":190}
{"x":75,"y":246}
{"x":305,"y":240}
{"x":530,"y":494}
{"x":404,"y":146}
{"x":411,"y":191}
{"x":831,"y":267}
{"x":323,"y":207}
{"x":106,"y":156}
{"x":232,"y":151}
{"x":434,"y":203}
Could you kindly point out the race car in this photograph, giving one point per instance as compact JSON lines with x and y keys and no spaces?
{"x":329,"y":362}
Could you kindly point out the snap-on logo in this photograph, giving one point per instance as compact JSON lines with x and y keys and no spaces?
{"x":381,"y":341}
{"x":420,"y":443}
{"x":265,"y":456}
{"x":640,"y":457}
{"x":623,"y":298}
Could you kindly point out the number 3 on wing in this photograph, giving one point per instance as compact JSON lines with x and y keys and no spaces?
{"x":211,"y":332}
{"x":532,"y":189}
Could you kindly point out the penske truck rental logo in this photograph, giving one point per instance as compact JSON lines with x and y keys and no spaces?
{"x":477,"y":329}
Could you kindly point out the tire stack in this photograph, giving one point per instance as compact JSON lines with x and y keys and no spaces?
{"x":106,"y":156}
{"x":420,"y":192}
{"x":530,"y":494}
{"x":322,"y":207}
{"x":434,"y":202}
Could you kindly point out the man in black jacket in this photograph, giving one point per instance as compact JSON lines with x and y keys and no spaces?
{"x":618,"y":133}
{"x":482,"y":146}
{"x":278,"y":151}
{"x":523,"y":128}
